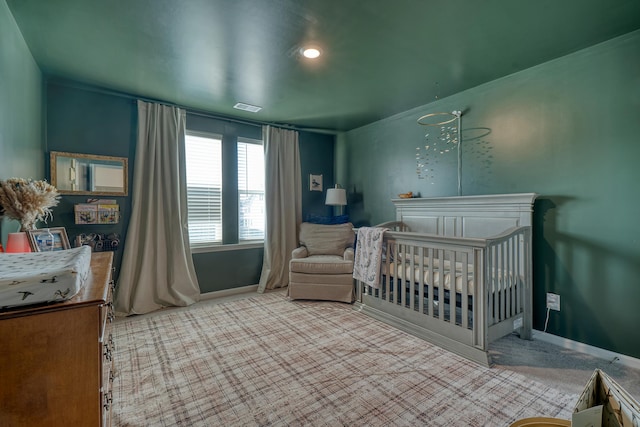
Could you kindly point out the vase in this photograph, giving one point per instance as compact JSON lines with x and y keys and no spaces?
{"x":17,"y":243}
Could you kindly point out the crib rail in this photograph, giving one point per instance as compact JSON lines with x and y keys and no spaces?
{"x":460,"y":290}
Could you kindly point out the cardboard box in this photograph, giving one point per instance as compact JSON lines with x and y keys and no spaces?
{"x":108,"y":214}
{"x":97,"y":213}
{"x":604,"y":401}
{"x":86,"y":213}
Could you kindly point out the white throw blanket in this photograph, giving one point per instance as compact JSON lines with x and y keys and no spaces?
{"x":366,"y":265}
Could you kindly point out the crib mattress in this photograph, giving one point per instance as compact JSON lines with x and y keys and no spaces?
{"x":444,"y":278}
{"x":40,"y":277}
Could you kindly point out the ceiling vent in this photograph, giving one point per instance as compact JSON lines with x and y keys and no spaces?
{"x":247,"y":107}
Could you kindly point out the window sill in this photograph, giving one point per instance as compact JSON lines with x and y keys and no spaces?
{"x":226,"y":248}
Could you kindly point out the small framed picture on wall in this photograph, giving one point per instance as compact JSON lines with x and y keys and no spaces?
{"x":315,"y":182}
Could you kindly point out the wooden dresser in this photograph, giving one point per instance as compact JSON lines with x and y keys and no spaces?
{"x":56,"y":364}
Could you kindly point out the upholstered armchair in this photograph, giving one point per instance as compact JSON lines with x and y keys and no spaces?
{"x":322,"y":267}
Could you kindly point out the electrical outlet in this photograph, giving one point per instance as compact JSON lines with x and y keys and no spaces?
{"x":553,"y":301}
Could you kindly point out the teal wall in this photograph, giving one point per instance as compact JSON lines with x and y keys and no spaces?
{"x":20,"y":109}
{"x":317,"y":158}
{"x":87,"y":120}
{"x":90,"y":122}
{"x":568,"y":130}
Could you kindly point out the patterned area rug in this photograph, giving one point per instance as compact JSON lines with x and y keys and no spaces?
{"x":267,"y":361}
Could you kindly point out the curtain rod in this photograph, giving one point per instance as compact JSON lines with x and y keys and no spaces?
{"x":202,"y":113}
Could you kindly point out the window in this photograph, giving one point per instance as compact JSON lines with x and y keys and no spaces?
{"x":203,"y":155}
{"x":223,"y":209}
{"x":251,"y":206}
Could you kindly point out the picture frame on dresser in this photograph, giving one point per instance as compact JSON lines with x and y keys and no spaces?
{"x":41,"y":242}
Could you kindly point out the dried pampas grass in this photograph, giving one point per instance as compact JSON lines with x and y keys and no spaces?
{"x":28,"y":201}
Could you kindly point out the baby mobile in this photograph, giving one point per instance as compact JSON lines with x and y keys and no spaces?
{"x":442,"y":137}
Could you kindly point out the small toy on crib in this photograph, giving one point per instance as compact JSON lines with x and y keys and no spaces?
{"x":406,"y":195}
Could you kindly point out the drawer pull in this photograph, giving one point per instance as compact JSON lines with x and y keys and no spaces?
{"x":110,"y":312}
{"x":108,"y":400}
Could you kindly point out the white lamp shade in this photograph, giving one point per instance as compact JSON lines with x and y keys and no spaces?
{"x":336,"y":197}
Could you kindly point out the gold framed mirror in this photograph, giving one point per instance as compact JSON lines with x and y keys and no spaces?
{"x":74,"y":173}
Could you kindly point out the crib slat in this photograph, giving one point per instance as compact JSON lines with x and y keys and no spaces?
{"x":503,"y":285}
{"x":402,"y":250}
{"x":517,"y":268}
{"x":440,"y":275}
{"x":387,"y":264}
{"x":508,"y":279}
{"x":481,"y":304}
{"x":512,"y":281}
{"x":490,"y":284}
{"x":464,"y":300}
{"x":451,"y":271}
{"x":420,"y":283}
{"x":430,"y":306}
{"x":393,"y":283}
{"x":410,"y":282}
{"x":453,"y":315}
{"x":502,"y":292}
{"x":527,"y":303}
{"x":401,"y":285}
{"x":397,"y":282}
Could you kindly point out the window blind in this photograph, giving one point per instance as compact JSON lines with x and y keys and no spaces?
{"x":251,"y":204}
{"x":204,"y":188}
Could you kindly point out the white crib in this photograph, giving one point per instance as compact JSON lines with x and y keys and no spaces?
{"x":456,"y":271}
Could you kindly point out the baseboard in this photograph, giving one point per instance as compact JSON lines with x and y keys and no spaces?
{"x":228,"y":292}
{"x":601,"y":353}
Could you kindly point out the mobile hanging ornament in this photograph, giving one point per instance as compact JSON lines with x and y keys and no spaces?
{"x":442,"y":138}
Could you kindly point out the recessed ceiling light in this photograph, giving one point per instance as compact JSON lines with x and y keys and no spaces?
{"x":247,"y":107}
{"x":311,"y":52}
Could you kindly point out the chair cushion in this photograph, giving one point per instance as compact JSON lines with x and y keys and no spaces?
{"x":321,"y":264}
{"x":323,"y":239}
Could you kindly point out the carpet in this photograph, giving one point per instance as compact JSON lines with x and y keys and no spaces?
{"x":268,"y":361}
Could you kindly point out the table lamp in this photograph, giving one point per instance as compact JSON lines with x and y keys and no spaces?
{"x":336,"y":197}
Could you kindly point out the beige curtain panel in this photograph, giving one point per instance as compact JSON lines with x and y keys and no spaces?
{"x":283,"y":186}
{"x":157,"y":268}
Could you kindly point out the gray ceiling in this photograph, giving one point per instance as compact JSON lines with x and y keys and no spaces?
{"x":380,"y":56}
